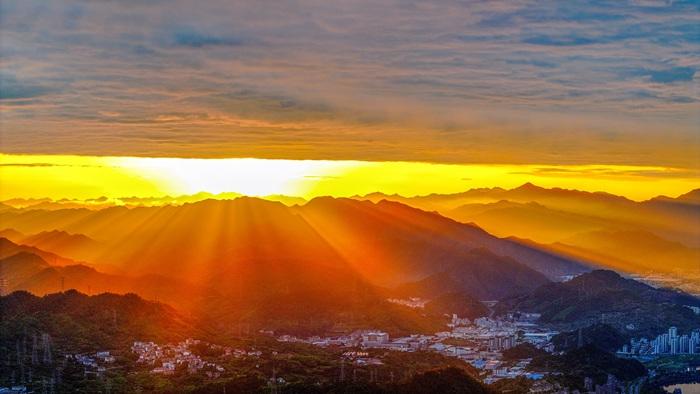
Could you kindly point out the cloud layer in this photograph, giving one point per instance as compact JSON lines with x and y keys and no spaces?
{"x":446,"y":81}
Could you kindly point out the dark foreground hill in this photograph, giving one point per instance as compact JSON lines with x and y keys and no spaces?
{"x":588,"y":361}
{"x":77,"y":322}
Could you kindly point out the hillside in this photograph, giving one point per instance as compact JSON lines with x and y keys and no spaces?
{"x":484,"y":269}
{"x":555,"y":216}
{"x":19,"y":267}
{"x":9,"y":248}
{"x":27,"y":270}
{"x":603,"y":336}
{"x":532,"y":220}
{"x":385,"y":243}
{"x":462,"y":304}
{"x":325,"y":265}
{"x":75,"y":246}
{"x":292,"y":302}
{"x":605,"y":297}
{"x":640,"y":249}
{"x":77,"y":322}
{"x":588,"y":361}
{"x":410,"y":243}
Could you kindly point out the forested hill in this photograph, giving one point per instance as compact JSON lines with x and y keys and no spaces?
{"x":77,"y":322}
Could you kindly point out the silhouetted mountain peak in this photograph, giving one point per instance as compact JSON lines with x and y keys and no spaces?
{"x":692,"y":196}
{"x":529,"y":187}
{"x":598,"y":281}
{"x":606,"y":276}
{"x":25,"y":256}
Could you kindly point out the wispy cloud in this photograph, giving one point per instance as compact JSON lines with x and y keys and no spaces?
{"x":521,"y":81}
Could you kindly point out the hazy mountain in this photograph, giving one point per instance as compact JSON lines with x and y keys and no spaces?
{"x":301,"y":268}
{"x":531,"y":220}
{"x":567,"y":218}
{"x":386,"y":243}
{"x":27,"y":270}
{"x":404,"y":244}
{"x":692,"y":197}
{"x":9,"y":248}
{"x":555,"y":198}
{"x":11,"y":234}
{"x":75,"y":246}
{"x":640,"y":249}
{"x":667,"y":217}
{"x":476,"y":279}
{"x":105,"y":202}
{"x":296,"y":304}
{"x":17,"y":268}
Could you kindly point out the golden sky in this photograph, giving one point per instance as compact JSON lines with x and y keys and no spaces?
{"x":83,"y":177}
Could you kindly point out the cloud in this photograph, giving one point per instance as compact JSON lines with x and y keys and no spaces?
{"x":109,"y":114}
{"x":29,"y":165}
{"x":466,"y":81}
{"x":194,"y":39}
{"x":675,"y":74}
{"x":13,"y":89}
{"x":45,"y":165}
{"x":613,"y":172}
{"x":570,"y":40}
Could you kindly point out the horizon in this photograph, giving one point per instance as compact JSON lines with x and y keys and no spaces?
{"x":232,"y":195}
{"x":89,"y":177}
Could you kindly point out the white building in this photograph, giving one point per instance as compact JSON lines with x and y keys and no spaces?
{"x":374,"y":338}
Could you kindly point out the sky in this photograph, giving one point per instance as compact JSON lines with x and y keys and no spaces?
{"x":94,"y":177}
{"x":465,"y":82}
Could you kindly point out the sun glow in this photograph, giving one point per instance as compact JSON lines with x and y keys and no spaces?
{"x":252,"y":177}
{"x":83,"y":177}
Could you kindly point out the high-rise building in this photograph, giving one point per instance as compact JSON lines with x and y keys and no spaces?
{"x":684,"y":343}
{"x":673,"y":345}
{"x":667,"y":343}
{"x":664,"y":343}
{"x":695,"y":334}
{"x":672,"y":332}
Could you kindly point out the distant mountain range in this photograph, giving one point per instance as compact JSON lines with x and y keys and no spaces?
{"x":658,"y":235}
{"x":106,"y":202}
{"x":566,"y":219}
{"x":28,"y":268}
{"x":331,"y":263}
{"x":321,"y":263}
{"x":386,"y":243}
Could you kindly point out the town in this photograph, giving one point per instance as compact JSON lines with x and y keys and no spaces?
{"x":479,"y":342}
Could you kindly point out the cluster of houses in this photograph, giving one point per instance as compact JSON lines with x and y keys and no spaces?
{"x":479,"y":342}
{"x":167,"y":358}
{"x":93,"y":363}
{"x":412,"y":302}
